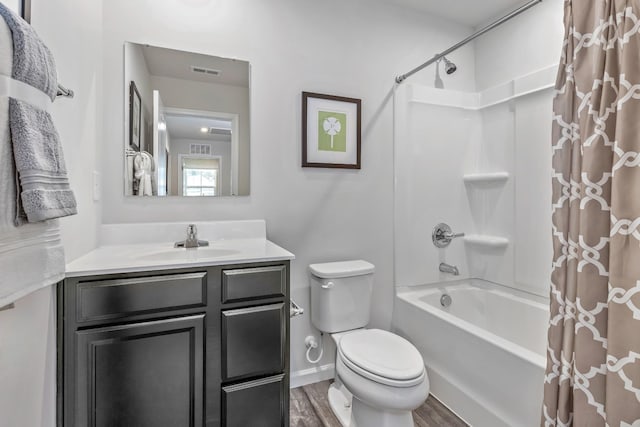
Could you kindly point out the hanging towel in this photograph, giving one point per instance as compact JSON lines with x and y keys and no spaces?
{"x":43,"y":190}
{"x":144,"y":168}
{"x":31,"y":256}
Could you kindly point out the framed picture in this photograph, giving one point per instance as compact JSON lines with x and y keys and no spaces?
{"x":330,"y":131}
{"x":135,"y":116}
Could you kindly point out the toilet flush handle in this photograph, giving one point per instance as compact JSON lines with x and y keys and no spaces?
{"x":327,"y":285}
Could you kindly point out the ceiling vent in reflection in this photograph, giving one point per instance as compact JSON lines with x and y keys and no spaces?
{"x":218,"y":131}
{"x":204,"y":70}
{"x":202,"y":149}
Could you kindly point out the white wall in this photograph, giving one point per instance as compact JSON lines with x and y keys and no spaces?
{"x":343,"y":48}
{"x":529,"y":42}
{"x":72,"y":30}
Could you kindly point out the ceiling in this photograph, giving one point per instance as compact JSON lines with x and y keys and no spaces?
{"x":472,"y":13}
{"x":177,"y":64}
{"x":188,"y":127}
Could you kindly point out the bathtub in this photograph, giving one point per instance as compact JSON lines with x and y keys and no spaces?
{"x":484,"y":353}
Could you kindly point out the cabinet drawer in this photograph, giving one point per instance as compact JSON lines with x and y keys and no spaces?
{"x":116,"y":298}
{"x":249,"y":283}
{"x":253,"y":341}
{"x":255,"y":403}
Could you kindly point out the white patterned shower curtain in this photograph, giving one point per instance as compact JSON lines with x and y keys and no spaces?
{"x":593,"y":359}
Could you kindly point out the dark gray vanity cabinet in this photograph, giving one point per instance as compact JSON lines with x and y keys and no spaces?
{"x":193,"y":347}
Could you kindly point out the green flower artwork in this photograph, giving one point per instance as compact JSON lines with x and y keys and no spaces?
{"x":332,"y":131}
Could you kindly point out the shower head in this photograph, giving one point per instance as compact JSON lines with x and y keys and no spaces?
{"x":449,"y":67}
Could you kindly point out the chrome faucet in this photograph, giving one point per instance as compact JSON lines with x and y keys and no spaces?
{"x":442,"y":235}
{"x":192,"y":239}
{"x":447,"y":268}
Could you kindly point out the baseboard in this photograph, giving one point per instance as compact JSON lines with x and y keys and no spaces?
{"x":312,"y":375}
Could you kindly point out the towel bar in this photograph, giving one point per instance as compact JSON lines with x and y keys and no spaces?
{"x":63,"y":91}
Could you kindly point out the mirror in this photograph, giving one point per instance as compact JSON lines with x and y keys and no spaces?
{"x":186,"y":123}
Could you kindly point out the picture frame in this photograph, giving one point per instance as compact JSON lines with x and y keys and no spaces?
{"x":331,"y":131}
{"x":135,"y":116}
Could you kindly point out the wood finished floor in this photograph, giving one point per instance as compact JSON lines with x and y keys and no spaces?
{"x":310,"y":408}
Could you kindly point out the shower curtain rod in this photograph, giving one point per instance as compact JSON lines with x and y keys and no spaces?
{"x":518,"y":11}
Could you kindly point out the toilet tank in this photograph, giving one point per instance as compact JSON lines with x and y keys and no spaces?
{"x":341,"y":295}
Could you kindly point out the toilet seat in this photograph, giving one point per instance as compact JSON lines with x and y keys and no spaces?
{"x":383,"y":357}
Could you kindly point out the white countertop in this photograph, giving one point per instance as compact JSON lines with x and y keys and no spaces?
{"x":129,"y":258}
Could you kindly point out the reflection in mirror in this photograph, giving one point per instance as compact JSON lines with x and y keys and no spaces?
{"x":186,"y":123}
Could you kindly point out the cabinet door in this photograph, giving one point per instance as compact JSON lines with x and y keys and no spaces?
{"x":144,"y":374}
{"x":259,"y":403}
{"x":253,"y":341}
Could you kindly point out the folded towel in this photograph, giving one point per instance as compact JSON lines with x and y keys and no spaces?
{"x":31,"y":256}
{"x":43,"y":188}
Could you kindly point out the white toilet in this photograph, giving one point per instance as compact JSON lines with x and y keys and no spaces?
{"x":380,"y":377}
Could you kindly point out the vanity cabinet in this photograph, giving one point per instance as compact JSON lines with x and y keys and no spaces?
{"x":204,"y":346}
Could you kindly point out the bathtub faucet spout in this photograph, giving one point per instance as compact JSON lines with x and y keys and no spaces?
{"x":451,"y":269}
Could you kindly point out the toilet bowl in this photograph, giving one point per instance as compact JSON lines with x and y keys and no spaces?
{"x":380,"y":379}
{"x":380,"y":376}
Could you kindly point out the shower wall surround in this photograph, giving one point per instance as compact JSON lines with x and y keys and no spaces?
{"x":444,"y":136}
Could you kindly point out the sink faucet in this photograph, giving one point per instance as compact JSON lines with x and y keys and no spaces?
{"x":447,"y":268}
{"x":192,"y":239}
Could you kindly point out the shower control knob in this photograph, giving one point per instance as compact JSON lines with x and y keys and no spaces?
{"x":442,"y":235}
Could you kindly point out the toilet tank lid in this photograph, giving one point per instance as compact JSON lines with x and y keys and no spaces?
{"x":332,"y":270}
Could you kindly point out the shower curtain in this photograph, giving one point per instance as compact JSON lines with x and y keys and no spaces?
{"x":593,"y":359}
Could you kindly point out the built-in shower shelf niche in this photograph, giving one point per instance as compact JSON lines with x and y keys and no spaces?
{"x":486,"y":177}
{"x":493,"y":242}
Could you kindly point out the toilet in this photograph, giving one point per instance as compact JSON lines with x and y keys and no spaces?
{"x":380,"y":377}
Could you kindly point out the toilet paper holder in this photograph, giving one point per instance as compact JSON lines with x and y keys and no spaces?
{"x":295,"y":309}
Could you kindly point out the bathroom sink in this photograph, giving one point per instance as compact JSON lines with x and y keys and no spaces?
{"x":192,"y":254}
{"x":130,"y":248}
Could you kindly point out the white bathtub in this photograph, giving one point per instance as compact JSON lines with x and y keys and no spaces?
{"x":485,"y":353}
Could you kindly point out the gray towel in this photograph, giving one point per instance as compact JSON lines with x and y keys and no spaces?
{"x":44,"y":191}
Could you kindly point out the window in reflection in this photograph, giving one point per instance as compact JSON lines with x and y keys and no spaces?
{"x":200,"y":176}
